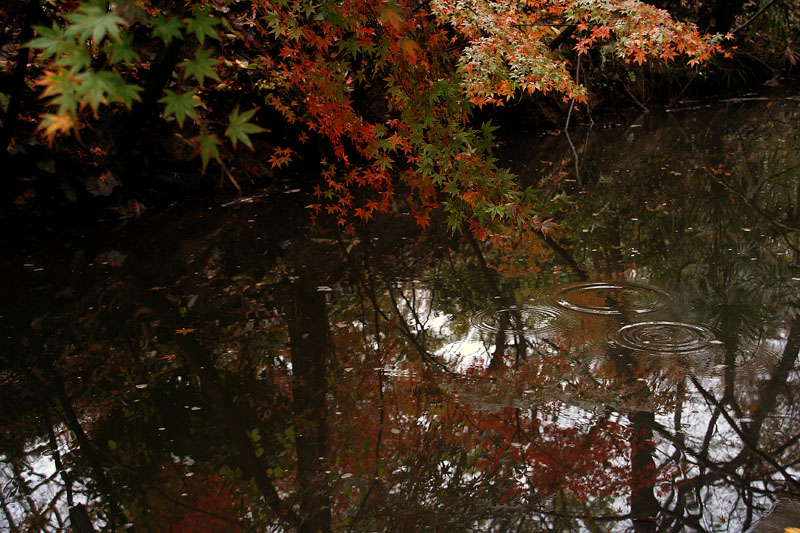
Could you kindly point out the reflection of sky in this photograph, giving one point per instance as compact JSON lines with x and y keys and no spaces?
{"x":47,"y":493}
{"x":718,"y":504}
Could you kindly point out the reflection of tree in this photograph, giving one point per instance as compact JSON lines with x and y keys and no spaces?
{"x":239,"y":382}
{"x":308,"y":330}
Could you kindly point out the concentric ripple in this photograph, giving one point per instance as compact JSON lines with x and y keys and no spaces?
{"x":533,"y":320}
{"x":606,"y":298}
{"x":663,"y":337}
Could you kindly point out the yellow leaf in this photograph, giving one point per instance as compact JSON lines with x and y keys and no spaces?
{"x":54,"y":124}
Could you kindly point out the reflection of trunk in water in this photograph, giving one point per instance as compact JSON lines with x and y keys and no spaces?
{"x":308,"y":329}
{"x":750,"y":432}
{"x":644,"y":506}
{"x":202,"y":365}
{"x":53,"y":391}
{"x":78,"y":515}
{"x":505,"y":317}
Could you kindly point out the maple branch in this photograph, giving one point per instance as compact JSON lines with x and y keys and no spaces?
{"x":565,"y":34}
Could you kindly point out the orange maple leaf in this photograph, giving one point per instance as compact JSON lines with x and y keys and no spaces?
{"x":411,"y":50}
{"x":185,"y":331}
{"x":391,"y":15}
{"x":52,"y":124}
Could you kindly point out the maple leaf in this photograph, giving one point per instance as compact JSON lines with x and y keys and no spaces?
{"x":201,"y":66}
{"x":202,"y":25}
{"x":239,"y":126}
{"x":122,"y":50}
{"x":411,"y":50}
{"x":185,"y":331}
{"x":50,"y":41}
{"x":167,"y":29}
{"x":207,"y":148}
{"x":281,"y":157}
{"x":391,"y":15}
{"x":180,"y":105}
{"x":92,"y":20}
{"x":53,"y":124}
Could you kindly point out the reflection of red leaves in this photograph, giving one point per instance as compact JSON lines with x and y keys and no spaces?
{"x":281,"y":157}
{"x":212,"y":502}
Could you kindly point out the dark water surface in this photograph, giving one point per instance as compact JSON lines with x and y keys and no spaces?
{"x":230,"y":368}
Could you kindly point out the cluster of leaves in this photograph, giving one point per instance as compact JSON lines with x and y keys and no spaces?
{"x":93,"y":61}
{"x":388,"y":88}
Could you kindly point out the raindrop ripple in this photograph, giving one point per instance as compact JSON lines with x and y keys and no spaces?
{"x":663,"y":337}
{"x":530,"y":320}
{"x":609,"y":298}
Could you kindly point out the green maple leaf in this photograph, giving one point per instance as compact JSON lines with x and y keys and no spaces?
{"x":74,"y":57}
{"x":180,"y":105}
{"x":202,"y":25}
{"x":67,"y":102}
{"x":201,"y":66}
{"x":122,"y":50}
{"x":93,"y":89}
{"x":127,"y":93}
{"x":207,"y":148}
{"x":239,"y":126}
{"x":94,"y":21}
{"x":167,"y":29}
{"x":50,"y":41}
{"x":123,"y":92}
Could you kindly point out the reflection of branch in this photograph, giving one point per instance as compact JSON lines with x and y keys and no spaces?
{"x":369,"y":288}
{"x":701,"y":460}
{"x":559,"y":250}
{"x":201,"y":364}
{"x":781,"y":228}
{"x":566,"y":127}
{"x":745,"y":439}
{"x":754,"y":17}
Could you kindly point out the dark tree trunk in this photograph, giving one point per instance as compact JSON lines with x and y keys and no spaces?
{"x":308,"y":328}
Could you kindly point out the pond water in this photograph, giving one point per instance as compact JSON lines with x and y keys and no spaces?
{"x":227,"y":367}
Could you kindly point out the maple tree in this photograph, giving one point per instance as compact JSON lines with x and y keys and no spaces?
{"x":386,"y":89}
